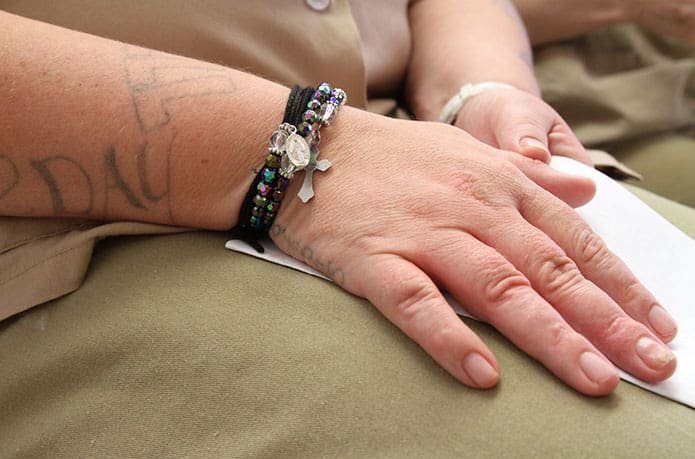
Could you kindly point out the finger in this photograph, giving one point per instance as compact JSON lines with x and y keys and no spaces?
{"x":526,"y":136}
{"x":490,"y":287}
{"x":409,"y":299}
{"x":563,"y":142}
{"x":575,"y":190}
{"x":601,"y":266}
{"x":587,"y":308}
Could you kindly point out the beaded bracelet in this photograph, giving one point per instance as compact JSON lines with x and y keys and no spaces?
{"x":293,"y":147}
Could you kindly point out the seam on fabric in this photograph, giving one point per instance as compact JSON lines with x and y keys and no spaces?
{"x":3,"y":282}
{"x":25,"y":241}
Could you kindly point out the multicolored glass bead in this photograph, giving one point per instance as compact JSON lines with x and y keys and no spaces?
{"x":310,"y":116}
{"x":263,"y":189}
{"x":260,"y":201}
{"x":339,"y":95}
{"x":314,"y":105}
{"x":268,"y":175}
{"x":305,"y":128}
{"x":272,"y":161}
{"x":257,"y":211}
{"x":324,"y":89}
{"x":282,"y":184}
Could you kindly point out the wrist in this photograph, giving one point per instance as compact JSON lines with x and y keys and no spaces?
{"x":226,"y":163}
{"x":293,"y":148}
{"x":428,"y":102}
{"x":454,"y":105}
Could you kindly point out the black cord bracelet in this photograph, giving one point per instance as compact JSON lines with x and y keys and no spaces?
{"x":263,"y":198}
{"x":293,"y":147}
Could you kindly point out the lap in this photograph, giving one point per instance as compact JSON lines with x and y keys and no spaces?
{"x":666,"y":162}
{"x":174,"y":346}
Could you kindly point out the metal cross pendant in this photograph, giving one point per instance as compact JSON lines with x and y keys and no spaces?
{"x":307,"y":190}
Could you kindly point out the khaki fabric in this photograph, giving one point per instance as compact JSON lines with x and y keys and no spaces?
{"x":174,"y":347}
{"x":667,"y":163}
{"x":631,"y":94}
{"x":620,"y":83}
{"x":41,"y":259}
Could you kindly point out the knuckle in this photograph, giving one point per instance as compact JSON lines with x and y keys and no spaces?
{"x":591,"y":248}
{"x":557,"y":273}
{"x":495,"y":185}
{"x":632,"y":290}
{"x":506,"y":170}
{"x":500,"y":281}
{"x":413,"y":299}
{"x":442,"y":340}
{"x":618,"y":331}
{"x":559,"y":335}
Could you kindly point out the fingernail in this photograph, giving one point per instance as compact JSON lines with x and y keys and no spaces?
{"x":655,"y":355}
{"x":596,"y":368}
{"x":662,"y":322}
{"x":480,"y":370}
{"x":533,"y":143}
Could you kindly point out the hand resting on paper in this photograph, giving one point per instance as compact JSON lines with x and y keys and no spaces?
{"x":411,"y":207}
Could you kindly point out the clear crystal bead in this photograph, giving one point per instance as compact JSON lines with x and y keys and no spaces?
{"x":278,"y":139}
{"x":327,"y":113}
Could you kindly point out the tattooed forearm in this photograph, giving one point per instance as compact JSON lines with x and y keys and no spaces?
{"x":160,"y":87}
{"x":145,"y":184}
{"x":68,"y":184}
{"x":117,"y":180}
{"x":9,"y":175}
{"x":156,"y":82}
{"x":307,"y":254}
{"x":118,"y":137}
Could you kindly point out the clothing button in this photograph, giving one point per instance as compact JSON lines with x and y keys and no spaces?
{"x":318,"y":5}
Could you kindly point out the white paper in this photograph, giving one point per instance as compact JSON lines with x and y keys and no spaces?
{"x":661,"y":256}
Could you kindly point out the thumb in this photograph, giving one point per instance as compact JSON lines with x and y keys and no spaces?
{"x":526,"y":138}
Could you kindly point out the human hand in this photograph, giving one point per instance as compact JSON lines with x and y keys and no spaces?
{"x":412,"y":207}
{"x":519,"y":121}
{"x":675,"y":18}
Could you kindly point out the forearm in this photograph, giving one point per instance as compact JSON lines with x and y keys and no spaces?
{"x":548,"y":21}
{"x":464,"y":41}
{"x":93,"y":128}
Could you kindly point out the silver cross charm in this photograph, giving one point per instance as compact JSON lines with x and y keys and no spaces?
{"x":307,"y":190}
